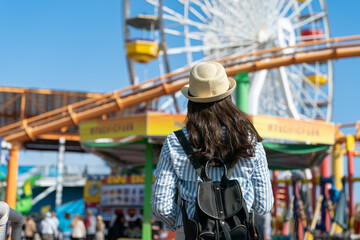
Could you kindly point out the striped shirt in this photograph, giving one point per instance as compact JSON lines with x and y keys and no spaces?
{"x":175,"y":170}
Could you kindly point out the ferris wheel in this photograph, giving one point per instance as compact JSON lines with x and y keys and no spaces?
{"x":178,"y":34}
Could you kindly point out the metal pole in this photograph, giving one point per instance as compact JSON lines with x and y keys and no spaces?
{"x":325,"y":216}
{"x":242,"y":91}
{"x":146,"y":227}
{"x":164,"y":49}
{"x":60,"y":173}
{"x":299,"y":228}
{"x":3,"y":146}
{"x":337,"y":162}
{"x":275,"y":189}
{"x":350,"y":146}
{"x":129,"y":61}
{"x":313,"y":190}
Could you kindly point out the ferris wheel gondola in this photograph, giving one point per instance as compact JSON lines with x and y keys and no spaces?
{"x":190,"y":31}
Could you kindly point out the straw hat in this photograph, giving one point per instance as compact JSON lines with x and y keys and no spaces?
{"x":208,"y":83}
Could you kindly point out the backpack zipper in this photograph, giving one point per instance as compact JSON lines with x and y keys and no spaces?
{"x":253,"y":221}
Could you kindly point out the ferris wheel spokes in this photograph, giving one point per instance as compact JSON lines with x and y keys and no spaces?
{"x":201,"y":30}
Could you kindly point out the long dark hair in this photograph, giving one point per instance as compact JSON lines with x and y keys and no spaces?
{"x":205,"y":122}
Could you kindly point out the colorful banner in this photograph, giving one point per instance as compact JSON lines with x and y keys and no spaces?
{"x":115,"y":190}
{"x":122,"y":194}
{"x":312,"y":132}
{"x":126,"y":179}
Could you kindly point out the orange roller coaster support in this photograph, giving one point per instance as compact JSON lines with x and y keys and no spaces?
{"x":12,"y":175}
{"x":90,"y":109}
{"x":152,"y":89}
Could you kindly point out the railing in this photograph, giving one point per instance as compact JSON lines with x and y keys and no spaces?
{"x":172,"y":82}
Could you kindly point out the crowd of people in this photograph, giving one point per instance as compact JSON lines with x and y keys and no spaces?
{"x":90,"y":227}
{"x":131,"y":227}
{"x":77,"y":227}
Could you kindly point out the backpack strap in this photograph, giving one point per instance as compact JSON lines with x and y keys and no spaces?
{"x":185,"y":216}
{"x":200,"y":170}
{"x":230,"y":169}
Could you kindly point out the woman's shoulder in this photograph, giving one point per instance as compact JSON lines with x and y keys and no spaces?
{"x":259,"y":149}
{"x":172,"y":140}
{"x":173,"y":149}
{"x":259,"y":153}
{"x":183,"y":130}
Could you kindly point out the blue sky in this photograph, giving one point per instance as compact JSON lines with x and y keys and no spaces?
{"x":78,"y":46}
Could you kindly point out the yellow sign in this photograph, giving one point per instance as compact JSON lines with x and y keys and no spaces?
{"x":164,"y":124}
{"x":92,"y":191}
{"x":161,"y":124}
{"x":316,"y":132}
{"x":150,"y":124}
{"x":113,"y":128}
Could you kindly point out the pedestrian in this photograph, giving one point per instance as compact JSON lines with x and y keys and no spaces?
{"x":78,"y":231}
{"x":47,"y":227}
{"x":56,"y":223}
{"x":30,"y":228}
{"x":100,"y":228}
{"x":117,"y":230}
{"x":65,"y":228}
{"x":215,"y":127}
{"x":90,"y":224}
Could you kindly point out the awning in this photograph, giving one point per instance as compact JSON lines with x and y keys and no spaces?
{"x":127,"y":154}
{"x":294,"y":156}
{"x":280,"y":156}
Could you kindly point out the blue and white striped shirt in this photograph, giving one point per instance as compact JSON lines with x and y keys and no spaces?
{"x":175,"y":169}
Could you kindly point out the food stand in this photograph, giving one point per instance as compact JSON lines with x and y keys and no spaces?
{"x":137,"y":140}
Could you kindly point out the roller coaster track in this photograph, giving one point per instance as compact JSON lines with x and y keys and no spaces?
{"x":29,"y":129}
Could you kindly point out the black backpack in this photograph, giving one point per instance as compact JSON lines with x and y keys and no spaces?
{"x":221,"y":212}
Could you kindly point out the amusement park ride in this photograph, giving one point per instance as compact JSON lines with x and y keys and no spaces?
{"x":283,"y":47}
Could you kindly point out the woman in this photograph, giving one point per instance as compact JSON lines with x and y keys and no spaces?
{"x":100,"y":227}
{"x":78,"y":230}
{"x":214,"y":127}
